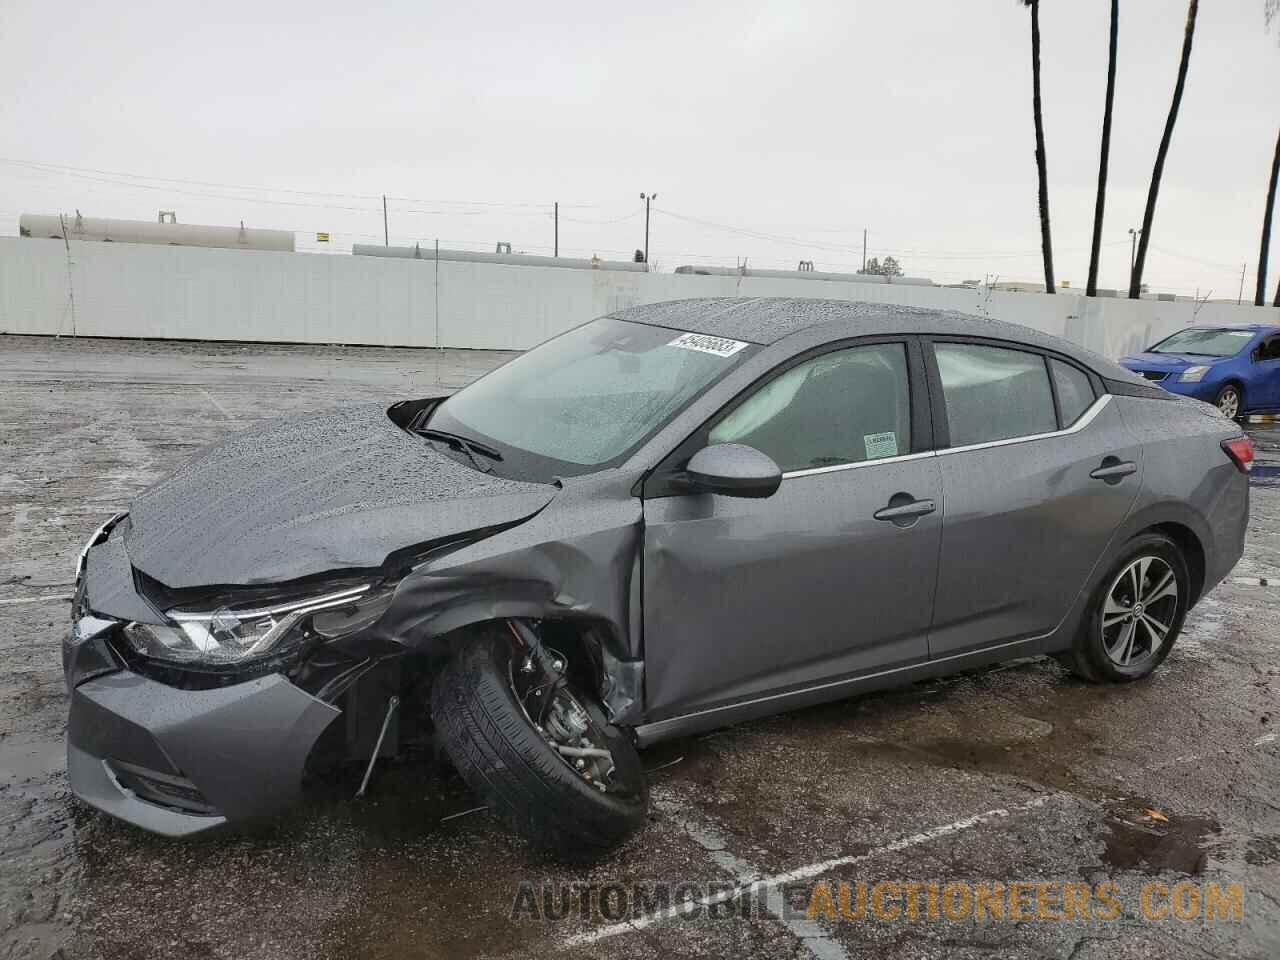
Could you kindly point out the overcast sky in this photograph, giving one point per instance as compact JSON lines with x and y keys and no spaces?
{"x":774,"y":131}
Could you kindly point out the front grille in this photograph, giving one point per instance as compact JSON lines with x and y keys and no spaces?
{"x":162,"y":789}
{"x":1154,"y":375}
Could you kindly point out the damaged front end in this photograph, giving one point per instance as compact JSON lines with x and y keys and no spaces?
{"x":195,"y":707}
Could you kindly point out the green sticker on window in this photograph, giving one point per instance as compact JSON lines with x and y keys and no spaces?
{"x":881,"y":445}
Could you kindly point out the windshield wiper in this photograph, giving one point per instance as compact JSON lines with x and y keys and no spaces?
{"x":465,"y":444}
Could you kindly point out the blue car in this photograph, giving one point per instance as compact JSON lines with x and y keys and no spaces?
{"x":1237,"y":369}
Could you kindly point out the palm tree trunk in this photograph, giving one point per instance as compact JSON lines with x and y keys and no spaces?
{"x":1091,"y":289}
{"x":1046,"y":243}
{"x":1135,"y":281}
{"x":1260,"y":295}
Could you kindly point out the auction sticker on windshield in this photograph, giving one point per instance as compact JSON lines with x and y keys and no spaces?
{"x":720,"y":346}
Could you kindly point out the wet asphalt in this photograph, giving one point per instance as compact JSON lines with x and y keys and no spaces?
{"x":1017,"y":773}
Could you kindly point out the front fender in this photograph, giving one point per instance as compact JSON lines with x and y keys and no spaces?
{"x":577,"y":560}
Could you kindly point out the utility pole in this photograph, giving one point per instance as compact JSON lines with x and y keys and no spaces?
{"x":1240,"y":299}
{"x":1133,"y":247}
{"x":647,"y":198}
{"x":386,"y":237}
{"x":864,"y":249}
{"x":557,"y":219}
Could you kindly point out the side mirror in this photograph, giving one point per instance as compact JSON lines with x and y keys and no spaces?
{"x":733,"y":470}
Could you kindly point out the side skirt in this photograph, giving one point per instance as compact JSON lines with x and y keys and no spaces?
{"x":765,"y":706}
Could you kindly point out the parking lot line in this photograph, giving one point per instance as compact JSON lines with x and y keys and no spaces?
{"x":49,"y":599}
{"x":750,"y":886}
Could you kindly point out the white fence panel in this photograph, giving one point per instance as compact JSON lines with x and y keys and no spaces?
{"x":191,"y":293}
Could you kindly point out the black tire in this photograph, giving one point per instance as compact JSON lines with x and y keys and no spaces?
{"x":1228,"y":389}
{"x":513,"y":769}
{"x":1088,"y":657}
{"x":1077,"y":664}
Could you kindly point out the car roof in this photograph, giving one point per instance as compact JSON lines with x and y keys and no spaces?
{"x":766,"y":320}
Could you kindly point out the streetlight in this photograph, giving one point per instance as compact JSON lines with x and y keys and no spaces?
{"x":1134,"y":234}
{"x":647,"y":198}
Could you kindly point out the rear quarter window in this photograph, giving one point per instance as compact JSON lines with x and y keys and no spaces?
{"x":1075,"y":392}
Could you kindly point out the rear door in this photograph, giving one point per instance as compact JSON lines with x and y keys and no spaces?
{"x":831,"y":576}
{"x":1038,"y":470}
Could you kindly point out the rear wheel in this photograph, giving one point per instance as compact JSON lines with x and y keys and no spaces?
{"x":1135,"y":614}
{"x":1230,"y":400}
{"x":549,"y":764}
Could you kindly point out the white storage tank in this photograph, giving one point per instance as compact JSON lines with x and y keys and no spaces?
{"x":169,"y":233}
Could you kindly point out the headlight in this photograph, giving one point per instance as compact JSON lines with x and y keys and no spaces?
{"x":1194,"y":374}
{"x":232,"y":636}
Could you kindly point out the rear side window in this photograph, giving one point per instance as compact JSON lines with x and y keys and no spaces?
{"x":1075,"y":392}
{"x":842,"y":407}
{"x":993,"y":394}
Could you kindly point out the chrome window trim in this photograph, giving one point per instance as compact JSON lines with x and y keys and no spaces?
{"x":835,"y":467}
{"x":1083,"y":421}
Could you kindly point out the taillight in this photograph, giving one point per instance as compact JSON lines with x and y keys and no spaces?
{"x":1240,"y":450}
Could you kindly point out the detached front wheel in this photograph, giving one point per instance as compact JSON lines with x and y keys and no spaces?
{"x":544,"y":758}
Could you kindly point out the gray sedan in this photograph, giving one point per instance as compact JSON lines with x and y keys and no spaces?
{"x":673,"y":518}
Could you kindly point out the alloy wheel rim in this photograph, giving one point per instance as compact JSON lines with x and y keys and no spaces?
{"x":1229,"y":403}
{"x":1139,"y":611}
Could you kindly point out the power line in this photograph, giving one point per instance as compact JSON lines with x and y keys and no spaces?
{"x":91,"y":173}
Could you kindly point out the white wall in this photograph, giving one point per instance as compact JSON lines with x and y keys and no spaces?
{"x":127,"y":290}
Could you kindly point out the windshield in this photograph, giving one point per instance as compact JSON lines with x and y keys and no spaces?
{"x":1205,"y":343}
{"x":588,"y":398}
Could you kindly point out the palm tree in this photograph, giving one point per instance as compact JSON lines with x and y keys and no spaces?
{"x":1135,"y":281}
{"x":1091,"y":289}
{"x":1046,"y":243}
{"x":1260,"y":294}
{"x":1272,"y":10}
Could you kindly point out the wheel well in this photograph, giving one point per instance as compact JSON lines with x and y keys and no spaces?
{"x":580,"y":640}
{"x":1191,"y":549}
{"x":1233,"y":382}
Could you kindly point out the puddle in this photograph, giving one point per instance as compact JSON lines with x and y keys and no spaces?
{"x":1136,"y":841}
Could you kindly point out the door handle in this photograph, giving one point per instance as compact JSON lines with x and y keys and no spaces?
{"x":905,"y":511}
{"x":1113,"y":470}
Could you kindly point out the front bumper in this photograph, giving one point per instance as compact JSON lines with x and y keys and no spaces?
{"x":179,"y":762}
{"x":1198,"y":390}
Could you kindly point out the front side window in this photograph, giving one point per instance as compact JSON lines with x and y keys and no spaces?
{"x":587,"y":398}
{"x":842,"y":407}
{"x":992,"y":393}
{"x":1221,"y":342}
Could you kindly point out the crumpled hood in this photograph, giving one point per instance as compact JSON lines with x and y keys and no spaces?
{"x":300,"y":497}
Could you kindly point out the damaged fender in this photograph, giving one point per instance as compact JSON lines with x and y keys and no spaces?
{"x":535,"y":571}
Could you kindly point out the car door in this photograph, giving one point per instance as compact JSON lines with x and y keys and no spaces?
{"x":1263,"y":390}
{"x":1038,"y":470}
{"x":833,"y":574}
